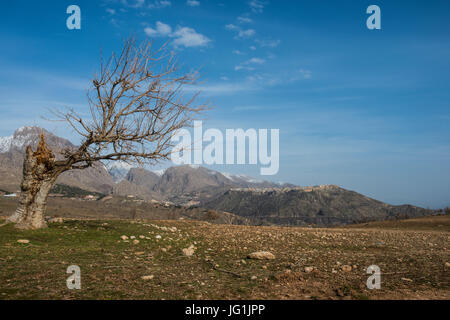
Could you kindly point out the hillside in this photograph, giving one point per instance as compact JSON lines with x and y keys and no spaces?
{"x":317,"y":206}
{"x":118,"y":207}
{"x":308,"y":263}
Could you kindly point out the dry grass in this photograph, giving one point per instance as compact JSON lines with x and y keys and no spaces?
{"x":412,"y":261}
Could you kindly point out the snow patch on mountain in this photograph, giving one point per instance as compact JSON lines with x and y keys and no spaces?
{"x":118,"y":170}
{"x":5,"y":144}
{"x":229,"y":176}
{"x":234,"y":177}
{"x":21,"y":137}
{"x":159,"y":172}
{"x":119,"y":165}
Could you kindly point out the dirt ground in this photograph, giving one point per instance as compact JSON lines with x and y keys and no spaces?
{"x":413,"y":258}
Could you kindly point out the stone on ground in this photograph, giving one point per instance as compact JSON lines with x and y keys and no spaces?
{"x":189,"y":251}
{"x":261,"y":255}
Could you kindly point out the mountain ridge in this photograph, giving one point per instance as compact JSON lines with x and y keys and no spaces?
{"x":116,"y":177}
{"x":262,"y":202}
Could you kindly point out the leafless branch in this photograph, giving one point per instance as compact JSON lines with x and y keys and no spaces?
{"x":136,"y":105}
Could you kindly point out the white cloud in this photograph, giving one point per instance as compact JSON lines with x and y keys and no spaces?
{"x":231,"y":27}
{"x":241,"y":33}
{"x":257,"y":6}
{"x":161,"y":30}
{"x":241,"y":67}
{"x":183,"y":36}
{"x":244,"y":20}
{"x":114,"y":22}
{"x":133,"y":3}
{"x":246,"y":33}
{"x":305,"y":73}
{"x":297,"y":75}
{"x":157,"y":4}
{"x":160,"y":4}
{"x":268,"y":43}
{"x":252,"y":82}
{"x":221,"y":88}
{"x":188,"y":37}
{"x":248,"y":65}
{"x":111,"y":11}
{"x":256,"y":61}
{"x":193,"y":3}
{"x":237,"y":52}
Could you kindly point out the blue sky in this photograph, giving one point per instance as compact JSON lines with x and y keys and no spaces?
{"x":365,"y":109}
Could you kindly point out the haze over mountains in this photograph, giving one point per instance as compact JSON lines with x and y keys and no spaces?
{"x":262,"y":202}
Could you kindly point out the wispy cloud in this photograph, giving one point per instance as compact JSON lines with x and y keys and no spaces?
{"x":137,"y":4}
{"x":193,"y":3}
{"x":256,"y":61}
{"x":133,"y":3}
{"x":271,"y":43}
{"x":240,"y":32}
{"x":222,"y":88}
{"x":248,"y":65}
{"x":160,"y":4}
{"x":247,"y":108}
{"x":306,"y":73}
{"x":253,"y":82}
{"x":45,"y":79}
{"x":257,"y":6}
{"x":244,"y":19}
{"x":300,"y":74}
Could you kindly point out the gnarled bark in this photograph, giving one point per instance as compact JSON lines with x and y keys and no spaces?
{"x":39,"y":176}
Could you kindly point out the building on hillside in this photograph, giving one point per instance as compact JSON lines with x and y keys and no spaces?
{"x":11,"y":195}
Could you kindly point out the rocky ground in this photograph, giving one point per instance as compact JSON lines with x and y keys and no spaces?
{"x":198,"y":260}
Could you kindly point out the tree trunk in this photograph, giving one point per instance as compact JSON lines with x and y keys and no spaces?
{"x":39,"y":177}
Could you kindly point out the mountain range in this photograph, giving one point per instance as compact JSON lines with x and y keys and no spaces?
{"x":261,"y":202}
{"x":173,"y":184}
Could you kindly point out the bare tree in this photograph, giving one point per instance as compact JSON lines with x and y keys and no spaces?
{"x":136,"y":106}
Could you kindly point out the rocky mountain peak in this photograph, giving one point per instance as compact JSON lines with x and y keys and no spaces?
{"x":25,"y":136}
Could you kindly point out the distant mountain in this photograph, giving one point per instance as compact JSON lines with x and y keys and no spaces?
{"x":258,"y":201}
{"x":320,"y":206}
{"x":186,"y":179}
{"x":175,"y":183}
{"x":12,"y":151}
{"x":118,"y":170}
{"x":182,"y":184}
{"x":139,"y":182}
